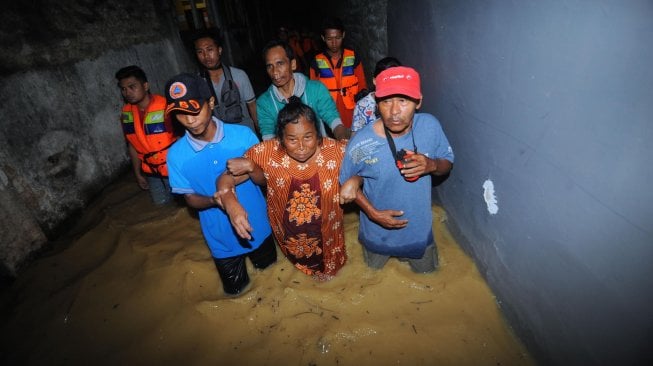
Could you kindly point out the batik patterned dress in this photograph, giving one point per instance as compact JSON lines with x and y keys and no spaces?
{"x":303,"y":205}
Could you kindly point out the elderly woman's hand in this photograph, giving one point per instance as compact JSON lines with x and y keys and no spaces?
{"x":239,"y":166}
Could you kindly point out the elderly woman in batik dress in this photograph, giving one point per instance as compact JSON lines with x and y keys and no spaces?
{"x":300,"y":168}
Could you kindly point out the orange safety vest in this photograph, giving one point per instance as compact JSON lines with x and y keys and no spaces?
{"x":152,"y":137}
{"x":348,"y":87}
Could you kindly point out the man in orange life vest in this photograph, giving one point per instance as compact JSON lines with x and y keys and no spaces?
{"x":148,"y":132}
{"x":339,"y":69}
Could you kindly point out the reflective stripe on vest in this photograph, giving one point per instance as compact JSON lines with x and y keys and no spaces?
{"x":348,"y":65}
{"x":127,"y":122}
{"x":324,"y":68}
{"x":154,"y":123}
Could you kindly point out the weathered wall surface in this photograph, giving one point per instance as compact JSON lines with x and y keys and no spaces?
{"x":552,"y":102}
{"x":61,"y":141}
{"x":366,"y":24}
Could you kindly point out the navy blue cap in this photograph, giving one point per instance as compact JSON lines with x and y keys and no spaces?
{"x":186,"y":93}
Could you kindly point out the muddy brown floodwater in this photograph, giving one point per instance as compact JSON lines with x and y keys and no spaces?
{"x":135,"y":285}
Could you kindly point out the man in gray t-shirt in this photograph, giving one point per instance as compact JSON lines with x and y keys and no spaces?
{"x":209,"y":54}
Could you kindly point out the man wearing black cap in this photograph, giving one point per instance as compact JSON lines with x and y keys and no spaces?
{"x":194,"y":163}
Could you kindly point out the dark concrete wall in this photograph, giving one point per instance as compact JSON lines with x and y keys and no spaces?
{"x":61,"y":141}
{"x":365,"y":30}
{"x":552,"y":102}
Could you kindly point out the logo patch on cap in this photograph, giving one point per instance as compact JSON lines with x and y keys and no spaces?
{"x":396,"y":77}
{"x":177,"y":90}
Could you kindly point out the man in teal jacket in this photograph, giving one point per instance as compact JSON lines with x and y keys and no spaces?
{"x":280,"y":65}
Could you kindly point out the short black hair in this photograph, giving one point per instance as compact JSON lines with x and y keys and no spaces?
{"x":384,"y":64}
{"x":212,"y":33}
{"x":129,"y":71}
{"x":291,"y":113}
{"x":332,"y":23}
{"x":279,"y":43}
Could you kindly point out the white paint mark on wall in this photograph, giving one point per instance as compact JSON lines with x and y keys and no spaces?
{"x":489,"y":197}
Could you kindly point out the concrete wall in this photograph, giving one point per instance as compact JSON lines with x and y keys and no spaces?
{"x":61,"y":141}
{"x":552,"y":102}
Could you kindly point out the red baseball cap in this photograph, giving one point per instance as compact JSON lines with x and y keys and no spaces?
{"x":399,"y":80}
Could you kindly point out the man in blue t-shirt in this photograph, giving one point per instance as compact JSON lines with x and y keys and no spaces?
{"x":396,"y":156}
{"x":194,"y":163}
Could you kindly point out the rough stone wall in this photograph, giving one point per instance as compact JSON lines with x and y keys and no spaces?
{"x":61,"y":142}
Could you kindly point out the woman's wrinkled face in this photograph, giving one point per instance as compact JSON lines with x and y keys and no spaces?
{"x":300,"y":139}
